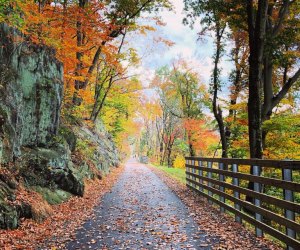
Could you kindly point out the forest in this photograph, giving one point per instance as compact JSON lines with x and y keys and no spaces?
{"x":78,"y":95}
{"x":227,"y":117}
{"x":254,"y":111}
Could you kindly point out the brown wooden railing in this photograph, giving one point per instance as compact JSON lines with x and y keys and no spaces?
{"x":273,"y":210}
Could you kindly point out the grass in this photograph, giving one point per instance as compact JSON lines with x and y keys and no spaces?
{"x":176,"y":173}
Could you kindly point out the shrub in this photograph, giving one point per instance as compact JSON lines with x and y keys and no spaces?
{"x":179,"y":162}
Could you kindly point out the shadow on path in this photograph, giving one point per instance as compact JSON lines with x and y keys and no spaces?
{"x":140,"y":212}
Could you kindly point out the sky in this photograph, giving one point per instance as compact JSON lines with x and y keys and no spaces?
{"x":186,"y":45}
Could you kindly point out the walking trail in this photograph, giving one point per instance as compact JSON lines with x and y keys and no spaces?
{"x":140,"y":212}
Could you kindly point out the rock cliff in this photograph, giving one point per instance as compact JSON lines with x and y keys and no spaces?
{"x":38,"y":151}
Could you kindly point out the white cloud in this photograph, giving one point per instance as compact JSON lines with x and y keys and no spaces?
{"x":198,"y":54}
{"x":144,"y":74}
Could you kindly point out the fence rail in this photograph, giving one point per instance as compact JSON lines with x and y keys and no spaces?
{"x":272,"y":208}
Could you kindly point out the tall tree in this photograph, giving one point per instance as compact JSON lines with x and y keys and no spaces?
{"x":122,"y":14}
{"x":191,"y":92}
{"x":266,"y":23}
{"x":213,"y":17}
{"x":281,"y":70}
{"x":185,"y":95}
{"x":257,"y":20}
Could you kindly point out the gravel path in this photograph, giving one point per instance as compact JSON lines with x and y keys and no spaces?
{"x":140,"y":212}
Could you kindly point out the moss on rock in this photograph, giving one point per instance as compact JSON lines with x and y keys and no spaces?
{"x":8,"y":213}
{"x":53,"y":197}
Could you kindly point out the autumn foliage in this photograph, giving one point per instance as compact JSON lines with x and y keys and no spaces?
{"x":200,"y":136}
{"x":90,"y":39}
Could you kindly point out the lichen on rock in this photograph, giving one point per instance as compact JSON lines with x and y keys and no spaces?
{"x":30,"y":94}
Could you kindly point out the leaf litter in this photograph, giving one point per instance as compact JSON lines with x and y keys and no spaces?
{"x":141,"y":212}
{"x":212,"y":222}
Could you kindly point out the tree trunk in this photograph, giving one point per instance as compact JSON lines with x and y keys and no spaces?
{"x":77,"y":100}
{"x":161,"y":152}
{"x":237,"y":78}
{"x":169,"y":160}
{"x":257,"y":34}
{"x":191,"y":148}
{"x":100,"y":103}
{"x":216,"y":109}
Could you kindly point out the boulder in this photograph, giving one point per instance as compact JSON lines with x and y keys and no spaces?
{"x":8,"y":214}
{"x":51,"y":167}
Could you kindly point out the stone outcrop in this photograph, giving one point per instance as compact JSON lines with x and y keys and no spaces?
{"x":104,"y":153}
{"x":31,"y":87}
{"x":32,"y":140}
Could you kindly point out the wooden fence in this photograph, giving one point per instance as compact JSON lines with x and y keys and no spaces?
{"x":272,"y":208}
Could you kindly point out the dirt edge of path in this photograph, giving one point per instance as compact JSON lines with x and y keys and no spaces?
{"x":232,"y":235}
{"x":58,"y":229}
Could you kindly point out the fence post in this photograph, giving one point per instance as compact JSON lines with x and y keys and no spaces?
{"x":236,"y":194}
{"x":194,"y":172}
{"x":288,"y":195}
{"x":209,"y":175}
{"x":221,"y":188}
{"x":257,"y":202}
{"x":187,"y":170}
{"x":200,"y":174}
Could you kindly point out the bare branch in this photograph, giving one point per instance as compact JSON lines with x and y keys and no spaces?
{"x":282,"y":14}
{"x":286,"y":87}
